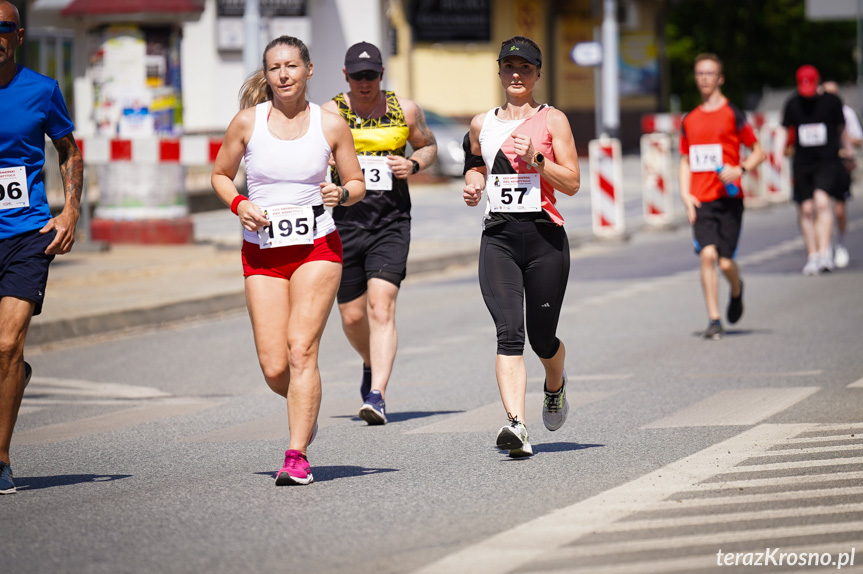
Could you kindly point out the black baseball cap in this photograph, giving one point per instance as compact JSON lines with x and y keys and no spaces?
{"x":363,"y":56}
{"x":525,"y":51}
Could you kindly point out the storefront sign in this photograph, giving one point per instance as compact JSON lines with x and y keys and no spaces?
{"x":451,"y":21}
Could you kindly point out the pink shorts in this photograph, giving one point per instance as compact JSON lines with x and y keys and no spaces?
{"x":281,"y":262}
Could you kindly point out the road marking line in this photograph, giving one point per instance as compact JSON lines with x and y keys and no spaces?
{"x":690,"y":503}
{"x":94,"y":389}
{"x":732,"y":375}
{"x":778,"y":480}
{"x":525,"y":543}
{"x":791,"y":451}
{"x":816,"y":439}
{"x":858,"y":384}
{"x":798,"y":464}
{"x":716,"y":539}
{"x":109,"y":422}
{"x":735,"y":407}
{"x":698,"y":562}
{"x":489,"y":418}
{"x":728,"y":517}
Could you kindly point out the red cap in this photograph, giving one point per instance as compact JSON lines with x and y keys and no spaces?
{"x":807,"y":81}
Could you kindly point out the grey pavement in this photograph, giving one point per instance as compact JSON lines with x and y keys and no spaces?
{"x":91,"y":291}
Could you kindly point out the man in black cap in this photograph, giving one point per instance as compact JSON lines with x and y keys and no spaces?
{"x":375,"y":232}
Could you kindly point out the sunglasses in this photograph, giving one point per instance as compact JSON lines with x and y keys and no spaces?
{"x":6,"y":27}
{"x":368,"y":75}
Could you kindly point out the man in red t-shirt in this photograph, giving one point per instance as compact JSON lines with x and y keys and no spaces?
{"x":710,"y":170}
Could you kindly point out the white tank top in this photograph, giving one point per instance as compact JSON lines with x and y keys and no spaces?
{"x":280,"y":172}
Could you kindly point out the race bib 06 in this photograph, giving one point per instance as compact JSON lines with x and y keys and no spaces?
{"x":13,"y":188}
{"x":812,"y":135}
{"x":377,"y":172}
{"x":289,"y":225}
{"x":705,"y":157}
{"x":514,"y":192}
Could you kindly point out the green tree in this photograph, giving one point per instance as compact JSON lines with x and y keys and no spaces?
{"x":761,"y":43}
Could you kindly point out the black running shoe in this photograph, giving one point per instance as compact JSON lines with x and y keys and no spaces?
{"x":735,"y":307}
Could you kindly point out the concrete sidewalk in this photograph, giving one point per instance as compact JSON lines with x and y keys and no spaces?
{"x":91,"y":292}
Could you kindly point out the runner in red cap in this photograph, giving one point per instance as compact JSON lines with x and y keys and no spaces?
{"x":815,"y":123}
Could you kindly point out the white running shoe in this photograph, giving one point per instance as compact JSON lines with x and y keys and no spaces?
{"x":812,"y":266}
{"x":840,"y":256}
{"x":513,"y":437}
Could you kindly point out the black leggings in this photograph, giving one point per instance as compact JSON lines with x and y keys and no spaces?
{"x":521,"y":261}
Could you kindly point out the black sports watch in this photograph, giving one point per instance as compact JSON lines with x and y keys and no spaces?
{"x":416,"y":165}
{"x":345,"y":196}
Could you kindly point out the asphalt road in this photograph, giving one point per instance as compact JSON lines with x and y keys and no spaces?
{"x":155,"y":451}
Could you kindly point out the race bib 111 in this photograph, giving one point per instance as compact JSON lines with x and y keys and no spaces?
{"x":13,"y":188}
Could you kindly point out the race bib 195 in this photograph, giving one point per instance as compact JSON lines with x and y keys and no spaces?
{"x":377,"y":172}
{"x":13,"y":188}
{"x":289,"y":225}
{"x":705,"y":157}
{"x":812,"y":135}
{"x":514,"y":192}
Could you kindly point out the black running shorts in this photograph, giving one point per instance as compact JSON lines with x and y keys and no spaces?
{"x":379,"y":253}
{"x":718,"y":223}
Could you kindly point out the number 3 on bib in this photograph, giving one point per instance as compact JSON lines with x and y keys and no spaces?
{"x":517,"y":192}
{"x":289,"y":225}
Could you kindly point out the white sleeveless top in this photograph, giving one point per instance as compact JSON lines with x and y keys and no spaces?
{"x":280,"y":172}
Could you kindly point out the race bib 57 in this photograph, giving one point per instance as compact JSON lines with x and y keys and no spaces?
{"x":514,"y":192}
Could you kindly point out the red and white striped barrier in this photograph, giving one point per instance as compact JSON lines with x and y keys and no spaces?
{"x":606,"y":187}
{"x":751,"y":180}
{"x":662,"y":123}
{"x":656,"y":175}
{"x":187,"y":151}
{"x":777,"y":170}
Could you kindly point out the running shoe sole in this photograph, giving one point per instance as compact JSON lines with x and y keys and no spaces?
{"x":285,"y":479}
{"x":525,"y":451}
{"x":508,"y":440}
{"x":371,"y":416}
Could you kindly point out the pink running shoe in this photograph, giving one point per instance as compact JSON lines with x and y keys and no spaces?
{"x":296,"y":469}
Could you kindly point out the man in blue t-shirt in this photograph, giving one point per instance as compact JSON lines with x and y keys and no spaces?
{"x":33,"y":108}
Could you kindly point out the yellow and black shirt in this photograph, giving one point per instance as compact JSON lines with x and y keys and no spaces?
{"x":383,"y":136}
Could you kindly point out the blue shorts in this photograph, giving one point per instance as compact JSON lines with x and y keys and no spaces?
{"x":24,"y":266}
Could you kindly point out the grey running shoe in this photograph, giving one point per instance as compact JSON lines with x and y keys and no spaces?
{"x":714,"y":330}
{"x":7,"y":484}
{"x":513,"y":437}
{"x":373,"y":410}
{"x":825,"y":262}
{"x":735,"y":307}
{"x":555,"y":407}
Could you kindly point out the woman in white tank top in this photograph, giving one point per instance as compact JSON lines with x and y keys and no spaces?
{"x":292,"y":253}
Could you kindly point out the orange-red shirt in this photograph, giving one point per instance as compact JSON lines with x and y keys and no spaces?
{"x":711,"y":140}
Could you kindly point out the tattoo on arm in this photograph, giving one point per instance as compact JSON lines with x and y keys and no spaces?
{"x":71,"y":170}
{"x":424,"y":143}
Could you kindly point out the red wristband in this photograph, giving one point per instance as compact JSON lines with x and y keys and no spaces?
{"x":237,"y":200}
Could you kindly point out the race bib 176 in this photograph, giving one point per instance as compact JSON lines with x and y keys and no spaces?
{"x":705,"y":157}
